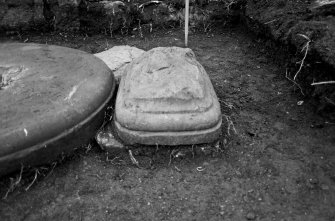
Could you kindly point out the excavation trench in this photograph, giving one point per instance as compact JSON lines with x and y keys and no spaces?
{"x":275,"y":159}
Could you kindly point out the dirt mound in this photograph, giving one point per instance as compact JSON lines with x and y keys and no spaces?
{"x":286,"y":21}
{"x":309,"y":28}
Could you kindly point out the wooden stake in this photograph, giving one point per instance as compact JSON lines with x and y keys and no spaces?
{"x":187,"y":4}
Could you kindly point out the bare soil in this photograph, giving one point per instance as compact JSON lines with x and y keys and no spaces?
{"x":287,"y":20}
{"x":274,"y":161}
{"x":309,"y":30}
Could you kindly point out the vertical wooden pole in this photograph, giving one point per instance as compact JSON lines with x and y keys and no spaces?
{"x":187,"y":6}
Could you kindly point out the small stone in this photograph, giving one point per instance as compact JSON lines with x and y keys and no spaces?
{"x":313,"y":181}
{"x":207,"y":150}
{"x":180,"y":154}
{"x":107,"y":140}
{"x":280,"y":126}
{"x":324,"y":187}
{"x":250,"y":216}
{"x":205,"y":164}
{"x":60,"y":198}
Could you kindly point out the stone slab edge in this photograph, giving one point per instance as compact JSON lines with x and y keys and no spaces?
{"x":58,"y":146}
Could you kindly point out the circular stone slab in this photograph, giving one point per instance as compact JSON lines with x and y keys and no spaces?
{"x":52,"y":100}
{"x":167,"y":98}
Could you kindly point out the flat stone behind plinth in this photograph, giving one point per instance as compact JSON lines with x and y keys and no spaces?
{"x":166,"y":98}
{"x":118,"y":57}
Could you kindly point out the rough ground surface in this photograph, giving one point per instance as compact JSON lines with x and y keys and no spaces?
{"x":287,"y":20}
{"x":307,"y":28}
{"x":279,"y":164}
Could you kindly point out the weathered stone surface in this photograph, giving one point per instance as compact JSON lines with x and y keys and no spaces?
{"x":118,"y":57}
{"x":52,"y":100}
{"x":166,"y":97}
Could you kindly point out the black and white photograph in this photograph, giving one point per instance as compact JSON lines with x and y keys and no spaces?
{"x":167,"y":110}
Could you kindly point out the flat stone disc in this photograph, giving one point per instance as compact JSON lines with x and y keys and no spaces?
{"x":52,"y":100}
{"x":167,"y":98}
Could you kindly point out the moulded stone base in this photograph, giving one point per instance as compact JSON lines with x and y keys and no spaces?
{"x":169,"y":138}
{"x":167,"y":98}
